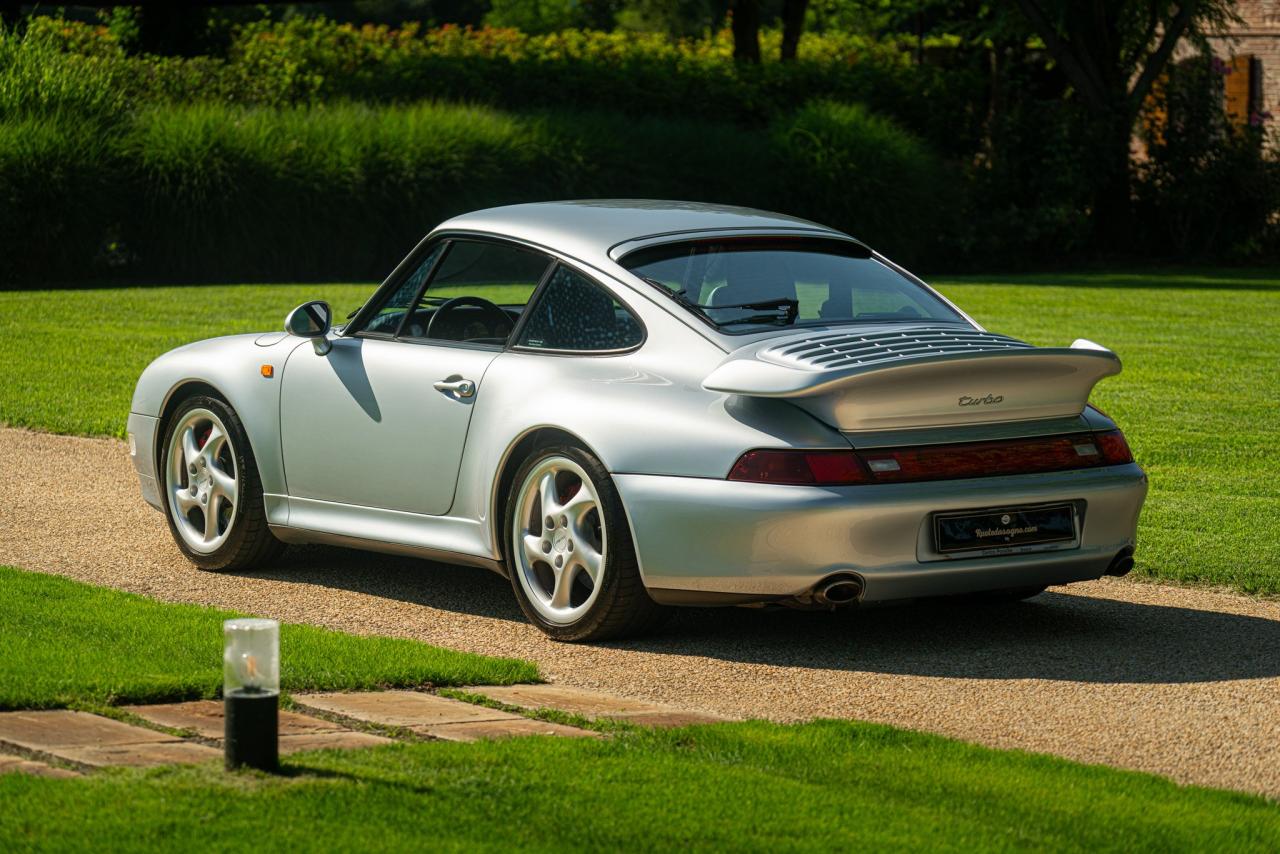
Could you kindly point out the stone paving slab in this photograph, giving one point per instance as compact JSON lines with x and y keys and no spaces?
{"x":92,"y":740}
{"x":145,"y":754}
{"x":478,"y":730}
{"x":409,"y":709}
{"x":18,"y":765}
{"x":46,"y":730}
{"x":592,"y":704}
{"x":339,"y":739}
{"x":205,"y":718}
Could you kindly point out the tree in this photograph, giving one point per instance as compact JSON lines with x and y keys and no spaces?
{"x":1111,"y":52}
{"x":746,"y":30}
{"x":793,"y":12}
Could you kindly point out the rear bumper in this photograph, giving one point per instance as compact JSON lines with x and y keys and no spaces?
{"x":703,"y":541}
{"x":142,"y":451}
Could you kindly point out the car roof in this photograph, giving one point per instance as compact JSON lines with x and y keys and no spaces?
{"x":589,"y":228}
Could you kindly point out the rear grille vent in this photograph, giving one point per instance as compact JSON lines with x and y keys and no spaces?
{"x":851,"y":349}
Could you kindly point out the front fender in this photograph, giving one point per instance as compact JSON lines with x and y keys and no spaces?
{"x":232,"y":366}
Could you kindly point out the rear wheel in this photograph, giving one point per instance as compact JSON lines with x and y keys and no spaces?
{"x":569,"y":549}
{"x":211,"y":488}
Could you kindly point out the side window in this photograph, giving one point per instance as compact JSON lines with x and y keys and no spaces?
{"x":389,"y":315}
{"x":574,"y":313}
{"x":477,"y":293}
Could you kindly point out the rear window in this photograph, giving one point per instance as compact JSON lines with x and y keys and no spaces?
{"x":742,"y":285}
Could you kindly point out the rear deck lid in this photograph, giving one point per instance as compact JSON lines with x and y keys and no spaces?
{"x":917,"y":376}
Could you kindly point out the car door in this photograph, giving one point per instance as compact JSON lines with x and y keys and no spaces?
{"x":381,"y":419}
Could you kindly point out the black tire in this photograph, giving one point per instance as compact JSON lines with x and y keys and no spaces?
{"x":623,"y":607}
{"x":249,"y":543}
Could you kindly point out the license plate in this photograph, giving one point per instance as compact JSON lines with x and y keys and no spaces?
{"x":1004,"y":527}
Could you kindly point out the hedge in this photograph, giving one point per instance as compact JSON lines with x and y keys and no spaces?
{"x":308,"y":61}
{"x":210,"y":192}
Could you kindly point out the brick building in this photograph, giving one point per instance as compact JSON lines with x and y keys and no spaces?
{"x":1252,"y":47}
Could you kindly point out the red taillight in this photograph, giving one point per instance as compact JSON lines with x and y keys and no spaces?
{"x":819,"y":468}
{"x":1114,"y":447}
{"x":983,"y":459}
{"x":1036,"y":455}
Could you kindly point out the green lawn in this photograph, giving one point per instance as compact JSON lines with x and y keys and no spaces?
{"x":1199,"y":400}
{"x":66,"y":643}
{"x":825,"y":785}
{"x":1198,"y":397}
{"x":817,"y":786}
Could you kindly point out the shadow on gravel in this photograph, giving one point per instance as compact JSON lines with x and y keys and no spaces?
{"x":1053,"y":636}
{"x":447,"y":587}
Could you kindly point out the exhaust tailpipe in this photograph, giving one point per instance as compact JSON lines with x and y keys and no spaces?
{"x":1121,"y":563}
{"x":838,"y":592}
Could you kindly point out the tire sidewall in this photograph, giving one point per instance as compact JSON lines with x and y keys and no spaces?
{"x":618,"y":546}
{"x":221,"y":556}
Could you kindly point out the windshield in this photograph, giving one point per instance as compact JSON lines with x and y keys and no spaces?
{"x":742,"y":285}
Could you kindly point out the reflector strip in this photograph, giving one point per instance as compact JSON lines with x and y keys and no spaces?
{"x":1034,"y":455}
{"x":984,"y":459}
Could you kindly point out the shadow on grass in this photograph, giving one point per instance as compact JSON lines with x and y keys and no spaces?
{"x":1055,"y":636}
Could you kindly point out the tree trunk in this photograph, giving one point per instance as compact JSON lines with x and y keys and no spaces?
{"x":792,"y":26}
{"x":1110,"y":156}
{"x":171,"y":29}
{"x":746,"y":31}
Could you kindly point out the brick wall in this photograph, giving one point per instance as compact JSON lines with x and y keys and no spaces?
{"x":1259,"y":35}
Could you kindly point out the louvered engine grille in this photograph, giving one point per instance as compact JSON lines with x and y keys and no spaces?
{"x":849,"y":349}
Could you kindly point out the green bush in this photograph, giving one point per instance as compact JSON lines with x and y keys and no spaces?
{"x":845,"y":165}
{"x":1207,"y":188}
{"x":209,"y":192}
{"x":308,"y":61}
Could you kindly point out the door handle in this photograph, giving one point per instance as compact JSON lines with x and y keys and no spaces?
{"x":459,"y":388}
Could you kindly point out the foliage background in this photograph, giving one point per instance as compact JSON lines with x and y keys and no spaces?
{"x":307,"y":149}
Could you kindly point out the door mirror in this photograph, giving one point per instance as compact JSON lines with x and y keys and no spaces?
{"x":311,"y":320}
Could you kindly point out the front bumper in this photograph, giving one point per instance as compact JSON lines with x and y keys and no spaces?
{"x":142,"y":450}
{"x":702,"y":541}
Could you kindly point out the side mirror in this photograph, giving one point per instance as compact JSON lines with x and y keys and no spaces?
{"x":311,"y":320}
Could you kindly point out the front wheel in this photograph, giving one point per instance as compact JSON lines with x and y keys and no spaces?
{"x":569,"y":550}
{"x":211,"y":489}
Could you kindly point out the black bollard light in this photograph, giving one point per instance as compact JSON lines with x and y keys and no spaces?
{"x":251,"y":693}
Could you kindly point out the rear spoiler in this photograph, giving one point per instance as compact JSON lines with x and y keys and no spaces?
{"x":917,"y":377}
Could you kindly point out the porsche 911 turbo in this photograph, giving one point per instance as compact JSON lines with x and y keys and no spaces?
{"x":623,"y":406}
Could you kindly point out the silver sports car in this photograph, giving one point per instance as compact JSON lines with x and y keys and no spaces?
{"x":627,"y":405}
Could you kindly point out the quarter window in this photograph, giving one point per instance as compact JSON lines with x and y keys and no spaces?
{"x":574,"y":313}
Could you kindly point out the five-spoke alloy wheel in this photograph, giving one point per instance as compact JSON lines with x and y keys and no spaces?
{"x":562,"y":538}
{"x":569,"y":550}
{"x":201,"y":480}
{"x":211,"y":488}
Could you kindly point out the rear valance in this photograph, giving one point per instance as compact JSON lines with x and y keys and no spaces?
{"x":925,"y":376}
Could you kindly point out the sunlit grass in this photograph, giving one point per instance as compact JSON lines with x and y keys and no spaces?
{"x":821,"y":786}
{"x":1197,"y":398}
{"x":67,"y":643}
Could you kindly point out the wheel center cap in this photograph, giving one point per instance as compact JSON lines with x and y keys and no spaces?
{"x":560,"y":541}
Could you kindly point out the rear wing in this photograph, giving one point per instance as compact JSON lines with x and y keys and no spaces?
{"x":927,"y":376}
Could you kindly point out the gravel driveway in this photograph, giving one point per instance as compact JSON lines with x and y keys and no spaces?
{"x":1179,"y":682}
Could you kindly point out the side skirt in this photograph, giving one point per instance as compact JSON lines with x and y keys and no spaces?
{"x":441,"y":538}
{"x":302,"y":536}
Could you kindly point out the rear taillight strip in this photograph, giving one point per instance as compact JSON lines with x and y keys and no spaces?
{"x":1035,"y":455}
